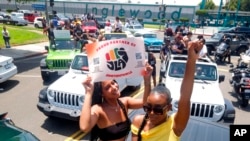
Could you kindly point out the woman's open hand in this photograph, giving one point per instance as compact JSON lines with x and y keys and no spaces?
{"x":88,"y":85}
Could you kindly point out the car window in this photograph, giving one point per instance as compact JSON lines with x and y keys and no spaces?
{"x":138,"y":27}
{"x":217,"y":36}
{"x":80,"y":63}
{"x":89,"y":23}
{"x":65,"y":45}
{"x":149,"y":36}
{"x":114,"y":36}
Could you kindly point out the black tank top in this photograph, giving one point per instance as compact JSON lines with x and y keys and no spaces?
{"x":118,"y":130}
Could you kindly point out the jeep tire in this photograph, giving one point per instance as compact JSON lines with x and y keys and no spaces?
{"x":45,"y":76}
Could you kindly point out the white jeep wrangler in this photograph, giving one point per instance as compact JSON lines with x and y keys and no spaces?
{"x":64,"y":98}
{"x":207,"y":101}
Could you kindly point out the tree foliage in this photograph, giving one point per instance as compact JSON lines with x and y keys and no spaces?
{"x":202,"y":12}
{"x":209,"y":5}
{"x":233,"y":5}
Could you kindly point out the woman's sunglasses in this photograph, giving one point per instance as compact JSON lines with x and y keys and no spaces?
{"x":156,"y":110}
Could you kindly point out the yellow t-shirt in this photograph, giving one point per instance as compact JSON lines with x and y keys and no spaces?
{"x":162,"y":132}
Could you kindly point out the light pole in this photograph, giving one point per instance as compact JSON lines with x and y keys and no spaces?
{"x":46,"y":11}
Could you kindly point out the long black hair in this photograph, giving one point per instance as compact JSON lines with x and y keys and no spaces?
{"x":142,"y":126}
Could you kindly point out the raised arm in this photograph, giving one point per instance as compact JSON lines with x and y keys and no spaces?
{"x":89,"y":116}
{"x":182,"y":116}
{"x":138,"y":103}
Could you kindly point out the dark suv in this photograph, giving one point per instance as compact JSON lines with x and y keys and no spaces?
{"x":238,"y":44}
{"x":238,"y":30}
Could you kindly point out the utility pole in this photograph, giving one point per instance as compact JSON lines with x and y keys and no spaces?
{"x":46,"y":11}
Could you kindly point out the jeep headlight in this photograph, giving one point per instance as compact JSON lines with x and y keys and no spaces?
{"x":81,"y":99}
{"x":50,"y":63}
{"x":218,"y":108}
{"x":50,"y":93}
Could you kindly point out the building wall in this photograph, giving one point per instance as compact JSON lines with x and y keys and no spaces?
{"x":145,"y":11}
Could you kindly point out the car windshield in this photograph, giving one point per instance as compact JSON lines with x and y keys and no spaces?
{"x":149,"y":36}
{"x":80,"y":63}
{"x":203,"y":72}
{"x":64,"y":44}
{"x":138,"y":27}
{"x":217,"y":36}
{"x":114,"y":36}
{"x":100,"y":19}
{"x":89,"y":23}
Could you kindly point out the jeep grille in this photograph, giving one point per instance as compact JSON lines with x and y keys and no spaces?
{"x":156,"y":44}
{"x":202,"y":110}
{"x":66,"y":99}
{"x":58,"y":64}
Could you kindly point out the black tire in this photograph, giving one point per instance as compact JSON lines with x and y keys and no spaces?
{"x":36,"y":26}
{"x":45,"y":76}
{"x":209,"y":50}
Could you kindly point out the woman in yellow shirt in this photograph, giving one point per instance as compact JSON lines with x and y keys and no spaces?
{"x":156,"y":125}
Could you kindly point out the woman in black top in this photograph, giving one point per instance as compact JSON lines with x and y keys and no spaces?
{"x":105,"y":111}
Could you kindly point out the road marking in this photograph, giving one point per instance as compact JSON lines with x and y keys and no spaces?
{"x":70,"y":138}
{"x":225,"y":70}
{"x":33,"y":76}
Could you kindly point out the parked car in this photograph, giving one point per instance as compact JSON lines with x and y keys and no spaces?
{"x":10,"y":132}
{"x":151,"y":42}
{"x":135,"y":27}
{"x":7,"y":68}
{"x":30,"y":17}
{"x":238,"y":30}
{"x":237,"y":46}
{"x":38,"y":22}
{"x":61,"y":52}
{"x":207,"y":101}
{"x":14,"y":20}
{"x":90,"y":26}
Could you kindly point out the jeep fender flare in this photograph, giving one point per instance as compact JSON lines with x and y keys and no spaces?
{"x":229,"y":110}
{"x":241,"y":49}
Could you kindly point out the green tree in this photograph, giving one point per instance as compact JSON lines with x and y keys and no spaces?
{"x":245,"y":5}
{"x":210,"y":5}
{"x":231,"y":5}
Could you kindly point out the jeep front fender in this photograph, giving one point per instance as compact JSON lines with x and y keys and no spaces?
{"x":229,"y":114}
{"x":43,"y":63}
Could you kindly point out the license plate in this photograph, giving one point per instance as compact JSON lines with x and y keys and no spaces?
{"x":61,"y":73}
{"x":7,"y":66}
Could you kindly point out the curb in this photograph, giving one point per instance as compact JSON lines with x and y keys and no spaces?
{"x":31,"y":55}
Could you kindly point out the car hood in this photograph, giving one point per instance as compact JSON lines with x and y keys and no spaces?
{"x":13,"y":133}
{"x":62,"y":54}
{"x":5,"y":58}
{"x":212,"y":40}
{"x":202,"y":92}
{"x":70,"y":83}
{"x":89,"y":27}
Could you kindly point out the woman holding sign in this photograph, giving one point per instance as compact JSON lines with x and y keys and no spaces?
{"x":105,"y":112}
{"x":156,"y":124}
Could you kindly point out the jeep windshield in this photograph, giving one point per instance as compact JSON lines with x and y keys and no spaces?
{"x":114,"y":36}
{"x":89,"y":23}
{"x":80,"y":63}
{"x":203,"y":72}
{"x":149,"y":36}
{"x":65,"y":44}
{"x":217,"y":36}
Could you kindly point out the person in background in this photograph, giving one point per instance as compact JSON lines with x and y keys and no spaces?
{"x":50,"y":31}
{"x":105,"y":113}
{"x":178,"y":46}
{"x":152,"y":62}
{"x":118,"y":25}
{"x":6,"y":37}
{"x":107,"y":28}
{"x":157,"y":124}
{"x":187,"y":38}
{"x":44,"y":24}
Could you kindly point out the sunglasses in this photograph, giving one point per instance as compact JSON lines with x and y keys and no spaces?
{"x":156,"y":110}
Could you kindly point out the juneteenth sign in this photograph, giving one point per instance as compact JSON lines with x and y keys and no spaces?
{"x":119,"y":58}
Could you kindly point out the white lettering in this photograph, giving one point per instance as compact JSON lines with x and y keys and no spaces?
{"x":240,"y":132}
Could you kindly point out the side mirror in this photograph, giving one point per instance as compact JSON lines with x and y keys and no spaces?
{"x":221,"y":78}
{"x":231,"y":65}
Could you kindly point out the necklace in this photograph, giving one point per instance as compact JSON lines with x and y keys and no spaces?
{"x":112,"y":107}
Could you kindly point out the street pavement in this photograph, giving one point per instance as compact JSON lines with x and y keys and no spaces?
{"x":31,"y":50}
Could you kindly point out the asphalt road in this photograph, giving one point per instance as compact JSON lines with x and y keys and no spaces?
{"x":20,"y":96}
